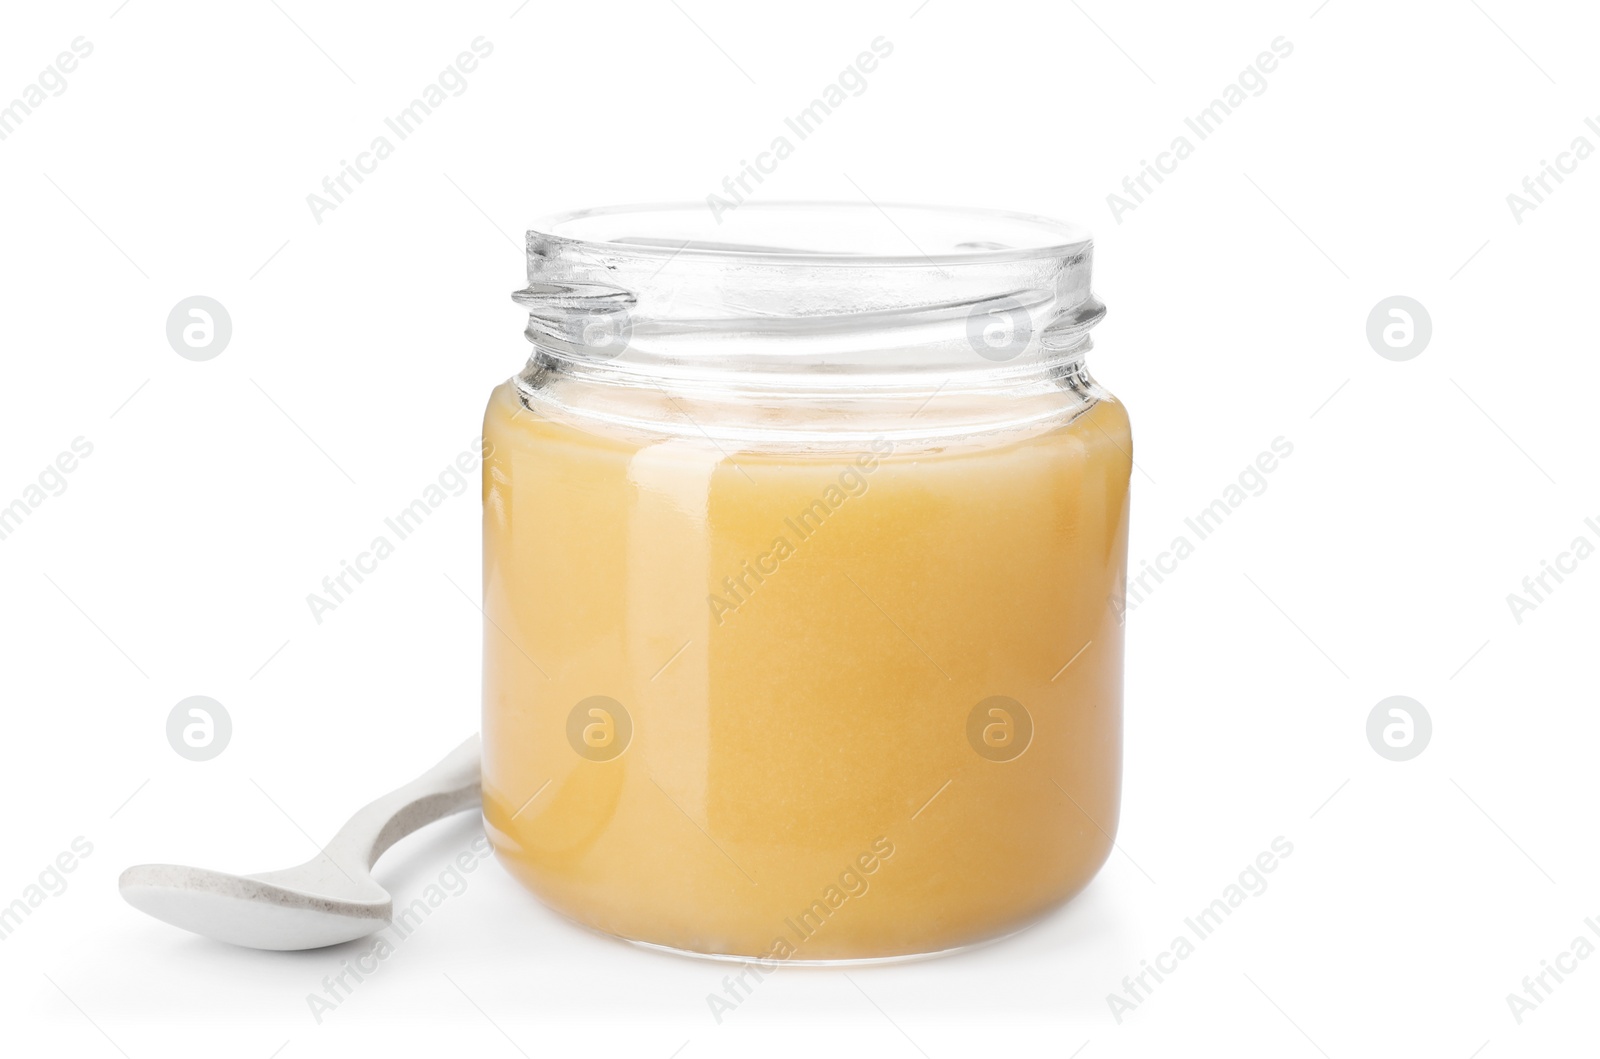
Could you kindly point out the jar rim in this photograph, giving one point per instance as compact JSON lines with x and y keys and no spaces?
{"x":815,"y":232}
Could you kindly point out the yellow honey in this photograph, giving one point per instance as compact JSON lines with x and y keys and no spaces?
{"x":803,"y":703}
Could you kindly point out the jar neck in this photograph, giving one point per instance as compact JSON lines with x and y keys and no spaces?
{"x":757,"y":338}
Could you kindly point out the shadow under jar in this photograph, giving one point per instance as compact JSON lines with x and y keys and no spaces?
{"x":805,"y":539}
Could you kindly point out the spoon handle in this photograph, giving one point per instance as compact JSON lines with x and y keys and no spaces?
{"x":451,"y":786}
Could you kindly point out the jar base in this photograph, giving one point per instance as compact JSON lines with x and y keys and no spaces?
{"x":840,"y":963}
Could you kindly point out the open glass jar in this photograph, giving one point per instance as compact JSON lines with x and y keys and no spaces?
{"x":805,"y":536}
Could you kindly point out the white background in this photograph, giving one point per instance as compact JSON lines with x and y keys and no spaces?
{"x":1377,"y":562}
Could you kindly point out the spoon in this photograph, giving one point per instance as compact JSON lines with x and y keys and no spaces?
{"x":329,"y":899}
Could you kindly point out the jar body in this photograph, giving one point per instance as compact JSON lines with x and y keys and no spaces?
{"x":842,"y":701}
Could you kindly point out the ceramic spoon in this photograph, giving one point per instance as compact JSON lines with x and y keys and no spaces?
{"x":329,"y":899}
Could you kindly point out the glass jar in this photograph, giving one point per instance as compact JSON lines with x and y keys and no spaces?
{"x":805,"y":537}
